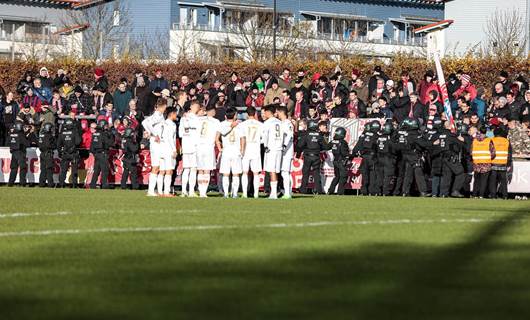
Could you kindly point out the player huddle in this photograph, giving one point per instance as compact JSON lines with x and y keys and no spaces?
{"x":238,"y":143}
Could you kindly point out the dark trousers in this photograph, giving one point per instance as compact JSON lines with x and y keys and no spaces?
{"x":435,"y":184}
{"x":129,"y":169}
{"x":451,"y":169}
{"x":498,"y":183}
{"x":413,"y":172}
{"x":385,"y":172}
{"x":368,"y":173}
{"x":341,"y":176}
{"x":311,"y":163}
{"x":480,"y":184}
{"x":400,"y":175}
{"x":46,"y":169}
{"x":18,"y":161}
{"x":101,"y":167}
{"x":69,"y":161}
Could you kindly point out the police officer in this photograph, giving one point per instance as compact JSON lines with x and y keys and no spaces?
{"x":46,"y":146}
{"x":466,"y":158}
{"x":451,"y":147}
{"x":341,"y":152}
{"x":409,"y":144}
{"x":18,"y":142}
{"x":366,"y":147}
{"x":311,"y":143}
{"x":130,"y":159}
{"x":434,"y":156}
{"x":101,"y":143}
{"x":385,"y":165}
{"x":67,"y":143}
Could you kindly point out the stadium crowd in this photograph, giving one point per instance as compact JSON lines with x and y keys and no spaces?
{"x":422,"y":156}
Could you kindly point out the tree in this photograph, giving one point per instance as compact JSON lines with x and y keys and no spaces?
{"x":108,"y":34}
{"x":505,"y":31}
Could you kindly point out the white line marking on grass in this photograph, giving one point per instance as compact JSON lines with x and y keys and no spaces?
{"x":67,"y":213}
{"x":228,"y":227}
{"x":33,"y":214}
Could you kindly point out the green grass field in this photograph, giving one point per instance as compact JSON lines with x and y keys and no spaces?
{"x":77,"y":254}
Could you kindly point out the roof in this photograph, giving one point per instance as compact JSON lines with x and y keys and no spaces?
{"x":241,"y":7}
{"x":66,"y":4}
{"x":434,"y":26}
{"x":413,"y":21}
{"x":339,"y":16}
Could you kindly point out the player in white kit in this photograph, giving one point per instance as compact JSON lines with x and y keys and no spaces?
{"x":251,"y":130}
{"x":287,"y":151}
{"x":168,"y":154}
{"x":272,"y":138}
{"x":206,"y":162}
{"x":152,"y":125}
{"x":189,"y":135}
{"x":230,"y":143}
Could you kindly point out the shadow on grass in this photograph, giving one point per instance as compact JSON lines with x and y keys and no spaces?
{"x":479,"y":279}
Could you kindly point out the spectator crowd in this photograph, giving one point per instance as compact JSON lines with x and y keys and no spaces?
{"x":44,"y":98}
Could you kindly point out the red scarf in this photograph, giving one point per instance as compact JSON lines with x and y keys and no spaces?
{"x":298,"y":109}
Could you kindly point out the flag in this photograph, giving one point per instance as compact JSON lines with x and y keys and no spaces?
{"x":445,"y":94}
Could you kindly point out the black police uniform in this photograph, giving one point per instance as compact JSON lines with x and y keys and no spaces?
{"x":434,"y":159}
{"x":467,"y":161}
{"x":341,"y":152}
{"x":18,"y":143}
{"x":451,"y":164}
{"x":47,"y":144}
{"x":311,"y":143}
{"x":67,"y":144}
{"x":385,"y":166}
{"x":410,"y":146}
{"x":130,"y":161}
{"x":101,"y":143}
{"x":366,"y":147}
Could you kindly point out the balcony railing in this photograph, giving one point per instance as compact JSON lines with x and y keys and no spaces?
{"x":303,"y":35}
{"x":33,"y":39}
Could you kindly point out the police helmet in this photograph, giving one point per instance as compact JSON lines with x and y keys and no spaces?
{"x":312,"y":125}
{"x":68,"y":124}
{"x":410,"y":124}
{"x":463,"y":128}
{"x":47,"y":127}
{"x":437,"y":124}
{"x":388,"y":128}
{"x":340,"y":133}
{"x":368,"y":127}
{"x":128,"y":132}
{"x":102,"y":124}
{"x":375,"y":126}
{"x":18,"y":126}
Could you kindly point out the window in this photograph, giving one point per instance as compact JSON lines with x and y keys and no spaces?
{"x":116,"y":18}
{"x":183,"y":16}
{"x":193,"y":17}
{"x":211,"y":19}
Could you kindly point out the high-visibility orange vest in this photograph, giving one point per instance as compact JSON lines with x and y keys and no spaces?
{"x":502,"y":146}
{"x":481,"y":151}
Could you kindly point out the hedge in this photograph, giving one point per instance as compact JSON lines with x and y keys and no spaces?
{"x":483,"y":71}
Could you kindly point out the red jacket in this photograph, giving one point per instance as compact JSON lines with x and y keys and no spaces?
{"x":424,"y":88}
{"x":469,"y":88}
{"x":260,"y":99}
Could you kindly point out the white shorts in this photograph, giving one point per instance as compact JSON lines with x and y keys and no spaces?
{"x":206,"y":159}
{"x":287,"y":161}
{"x":273,"y":161}
{"x":230,"y":164}
{"x":167,"y":162}
{"x":189,"y":160}
{"x":155,"y":153}
{"x":253,"y":164}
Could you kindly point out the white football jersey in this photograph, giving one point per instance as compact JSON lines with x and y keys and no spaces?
{"x":189,"y":132}
{"x":231,"y":139}
{"x":251,"y":129}
{"x":272,"y":135}
{"x":208,"y":129}
{"x":152,"y":125}
{"x":168,"y":136}
{"x":288,"y":136}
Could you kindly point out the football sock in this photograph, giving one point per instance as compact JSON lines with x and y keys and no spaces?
{"x":185,"y":177}
{"x":193,"y":179}
{"x":167,"y":183}
{"x":274,"y":189}
{"x":244,"y":183}
{"x":152,"y":183}
{"x":286,"y":176}
{"x":235,"y":185}
{"x":226,"y":185}
{"x":255,"y":179}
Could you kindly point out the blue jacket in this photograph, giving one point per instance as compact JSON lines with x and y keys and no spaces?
{"x":479,"y":106}
{"x":158,"y":83}
{"x":44,"y":94}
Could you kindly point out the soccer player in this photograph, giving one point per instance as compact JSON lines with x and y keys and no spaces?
{"x":272,"y":138}
{"x":287,"y":150}
{"x":152,"y":125}
{"x":251,"y":130}
{"x":231,"y":144}
{"x":189,"y":133}
{"x":206,"y":162}
{"x":168,"y":154}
